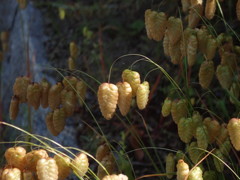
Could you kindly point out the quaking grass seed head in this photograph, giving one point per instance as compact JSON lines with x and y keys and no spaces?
{"x":107,"y":99}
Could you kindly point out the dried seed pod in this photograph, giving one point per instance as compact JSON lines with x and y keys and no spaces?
{"x":224,"y":76}
{"x":73,"y":48}
{"x":166,"y":107}
{"x":195,"y":174}
{"x":142,"y":95}
{"x":49,"y":123}
{"x":34,"y":92}
{"x":80,"y":164}
{"x":71,"y":63}
{"x":133,"y":78}
{"x":229,"y":59}
{"x":210,"y":9}
{"x":22,"y":3}
{"x":175,"y":53}
{"x":27,"y":175}
{"x":187,"y":33}
{"x":213,"y":128}
{"x":155,"y":24}
{"x":225,"y":147}
{"x":238,"y":10}
{"x":125,"y":97}
{"x":218,"y":164}
{"x":185,"y":130}
{"x":179,"y":109}
{"x":14,"y":156}
{"x":115,"y":177}
{"x":47,"y":169}
{"x":102,"y":151}
{"x":81,"y":89}
{"x":182,"y":170}
{"x":109,"y":163}
{"x":147,"y":15}
{"x":235,"y":91}
{"x":211,"y":48}
{"x":63,"y":164}
{"x":69,"y":83}
{"x":166,"y":44}
{"x":59,"y":119}
{"x":14,"y":108}
{"x":234,"y":132}
{"x":170,"y":165}
{"x":223,"y":134}
{"x":44,"y":96}
{"x":20,"y":88}
{"x":63,"y":95}
{"x":194,"y":153}
{"x":185,"y":5}
{"x":174,"y":30}
{"x":11,"y":174}
{"x":195,"y":2}
{"x":54,"y":96}
{"x":107,"y":99}
{"x":197,"y":121}
{"x":202,"y":137}
{"x":192,"y":50}
{"x":202,"y":37}
{"x":195,"y":13}
{"x":32,"y":157}
{"x":206,"y":73}
{"x":69,"y":103}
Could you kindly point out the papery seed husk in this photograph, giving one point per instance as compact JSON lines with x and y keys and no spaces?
{"x":210,"y":9}
{"x":133,"y":78}
{"x":11,"y":174}
{"x":34,"y":92}
{"x":107,"y":99}
{"x":81,"y":90}
{"x":20,"y":88}
{"x":14,"y":156}
{"x":49,"y":123}
{"x":170,"y":165}
{"x":195,"y":13}
{"x":234,"y":132}
{"x":54,"y":96}
{"x":69,"y":82}
{"x":47,"y":169}
{"x":69,"y":103}
{"x":14,"y":108}
{"x":59,"y":119}
{"x":174,"y":30}
{"x":182,"y":170}
{"x":80,"y":164}
{"x":192,"y":50}
{"x":224,"y":76}
{"x":63,"y":163}
{"x":142,"y":95}
{"x":206,"y":73}
{"x":32,"y":157}
{"x":125,"y":97}
{"x":44,"y":96}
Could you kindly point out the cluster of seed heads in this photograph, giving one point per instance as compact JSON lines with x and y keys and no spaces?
{"x":199,"y":132}
{"x":110,"y":95}
{"x":190,"y":42}
{"x":37,"y":164}
{"x":61,"y":98}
